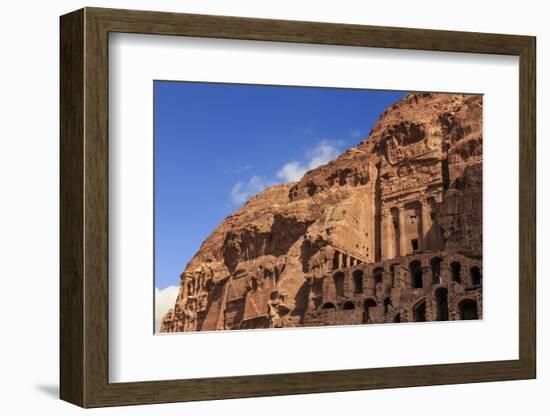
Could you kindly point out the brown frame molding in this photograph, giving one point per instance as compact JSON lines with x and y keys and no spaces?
{"x":84,"y":207}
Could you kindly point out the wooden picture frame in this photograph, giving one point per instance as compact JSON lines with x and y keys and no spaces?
{"x":84,"y":207}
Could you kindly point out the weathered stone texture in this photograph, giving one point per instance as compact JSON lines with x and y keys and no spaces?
{"x":391,"y":230}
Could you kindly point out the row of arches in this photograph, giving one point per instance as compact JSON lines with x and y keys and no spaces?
{"x":467,"y":309}
{"x":348,"y":305}
{"x":357,"y":279}
{"x":416,"y":272}
{"x":367,"y":305}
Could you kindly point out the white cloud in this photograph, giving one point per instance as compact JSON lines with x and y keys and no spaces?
{"x":291,"y":172}
{"x":322,"y":153}
{"x":241,"y":191}
{"x":164,"y":300}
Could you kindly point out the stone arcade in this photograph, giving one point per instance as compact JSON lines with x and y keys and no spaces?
{"x":427,"y":286}
{"x":389,"y":231}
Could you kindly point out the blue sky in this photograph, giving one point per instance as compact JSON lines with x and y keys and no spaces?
{"x":218,"y":144}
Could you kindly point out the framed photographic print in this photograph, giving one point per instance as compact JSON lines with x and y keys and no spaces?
{"x":255,"y":207}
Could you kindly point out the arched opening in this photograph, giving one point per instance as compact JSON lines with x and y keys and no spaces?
{"x":339,"y":283}
{"x":455,"y":271}
{"x":387,"y":303}
{"x":435,"y":264}
{"x":419,"y":312}
{"x":328,"y":305}
{"x":475,"y":275}
{"x":468,"y":310}
{"x":378,"y":274}
{"x":369,"y":303}
{"x":348,"y":305}
{"x":358,"y":281}
{"x":442,"y":302}
{"x":416,"y":274}
{"x":397,"y":318}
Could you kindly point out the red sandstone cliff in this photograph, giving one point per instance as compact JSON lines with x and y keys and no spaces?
{"x":413,"y":185}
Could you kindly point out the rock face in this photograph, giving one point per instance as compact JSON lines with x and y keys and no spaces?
{"x":389,"y":231}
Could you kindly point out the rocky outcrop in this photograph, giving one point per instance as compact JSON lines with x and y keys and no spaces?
{"x":413,"y":186}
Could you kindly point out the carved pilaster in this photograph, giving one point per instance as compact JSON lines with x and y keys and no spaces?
{"x":388,"y":237}
{"x":425,"y":243}
{"x":402,"y":232}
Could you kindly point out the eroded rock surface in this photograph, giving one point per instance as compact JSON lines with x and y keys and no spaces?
{"x":373,"y":236}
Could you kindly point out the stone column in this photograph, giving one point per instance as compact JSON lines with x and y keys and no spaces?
{"x":402,"y":232}
{"x":436,"y":237}
{"x":340,"y":255}
{"x":388,"y":238}
{"x":425,"y":243}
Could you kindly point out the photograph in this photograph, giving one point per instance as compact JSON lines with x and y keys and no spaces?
{"x":297,"y":206}
{"x":257,"y":204}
